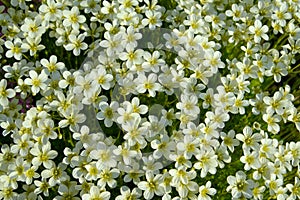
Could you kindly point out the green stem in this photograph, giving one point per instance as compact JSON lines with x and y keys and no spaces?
{"x":71,"y":140}
{"x":292,"y":70}
{"x":281,"y":38}
{"x":295,"y":72}
{"x":270,"y":84}
{"x":26,"y":57}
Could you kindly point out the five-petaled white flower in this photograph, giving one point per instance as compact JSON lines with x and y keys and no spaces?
{"x":152,"y":185}
{"x":37,"y":81}
{"x":5,"y":93}
{"x":239,"y":185}
{"x":259,"y":31}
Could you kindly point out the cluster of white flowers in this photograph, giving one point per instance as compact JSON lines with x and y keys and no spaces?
{"x":166,"y":117}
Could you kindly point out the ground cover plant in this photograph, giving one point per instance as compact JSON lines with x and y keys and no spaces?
{"x":149,"y":99}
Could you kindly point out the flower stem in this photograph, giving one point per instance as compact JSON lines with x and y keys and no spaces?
{"x":281,"y":38}
{"x":26,"y":57}
{"x":292,"y":70}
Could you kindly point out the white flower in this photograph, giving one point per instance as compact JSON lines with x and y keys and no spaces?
{"x":76,"y":44}
{"x":153,"y":19}
{"x":31,"y":174}
{"x":37,"y":81}
{"x":113,"y":43}
{"x":277,"y":70}
{"x":195,"y":23}
{"x":168,"y":116}
{"x":153,"y":62}
{"x":43,"y":155}
{"x":23,"y":144}
{"x":172,"y":41}
{"x":206,"y":191}
{"x":188,"y":104}
{"x":294,"y":150}
{"x":239,"y":185}
{"x":132,"y":57}
{"x":7,"y":192}
{"x":258,"y":191}
{"x":295,"y":117}
{"x":104,"y":156}
{"x":218,"y":118}
{"x":229,"y":140}
{"x":213,"y":60}
{"x":33,"y":45}
{"x":281,"y":14}
{"x":127,"y":194}
{"x":162,"y":146}
{"x":92,"y":171}
{"x":180,"y":175}
{"x":108,"y":112}
{"x":155,"y":126}
{"x":189,"y":189}
{"x":294,"y":189}
{"x":191,"y":87}
{"x":5,"y":93}
{"x":127,"y":4}
{"x":237,"y":12}
{"x":272,"y":121}
{"x":189,"y":146}
{"x":283,"y":157}
{"x":69,"y":79}
{"x":210,"y":129}
{"x":1,"y":45}
{"x":103,"y":78}
{"x":151,"y":164}
{"x":96,"y":193}
{"x":69,"y":190}
{"x":21,"y":4}
{"x":51,"y":10}
{"x":258,"y":104}
{"x":52,"y":65}
{"x":202,"y":73}
{"x":125,"y":153}
{"x":84,"y":84}
{"x":268,"y":147}
{"x":208,"y":98}
{"x":131,"y":37}
{"x":73,"y":18}
{"x":14,"y":49}
{"x":249,"y":140}
{"x":180,"y":160}
{"x":108,"y":177}
{"x":147,"y":84}
{"x":274,"y":183}
{"x":250,"y":159}
{"x":72,"y":118}
{"x":152,"y":185}
{"x":239,"y":105}
{"x":259,"y":31}
{"x":56,"y":174}
{"x":223,"y":98}
{"x":137,"y":108}
{"x":126,"y":114}
{"x":207,"y":162}
{"x":33,"y":27}
{"x":91,"y":6}
{"x":18,"y":169}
